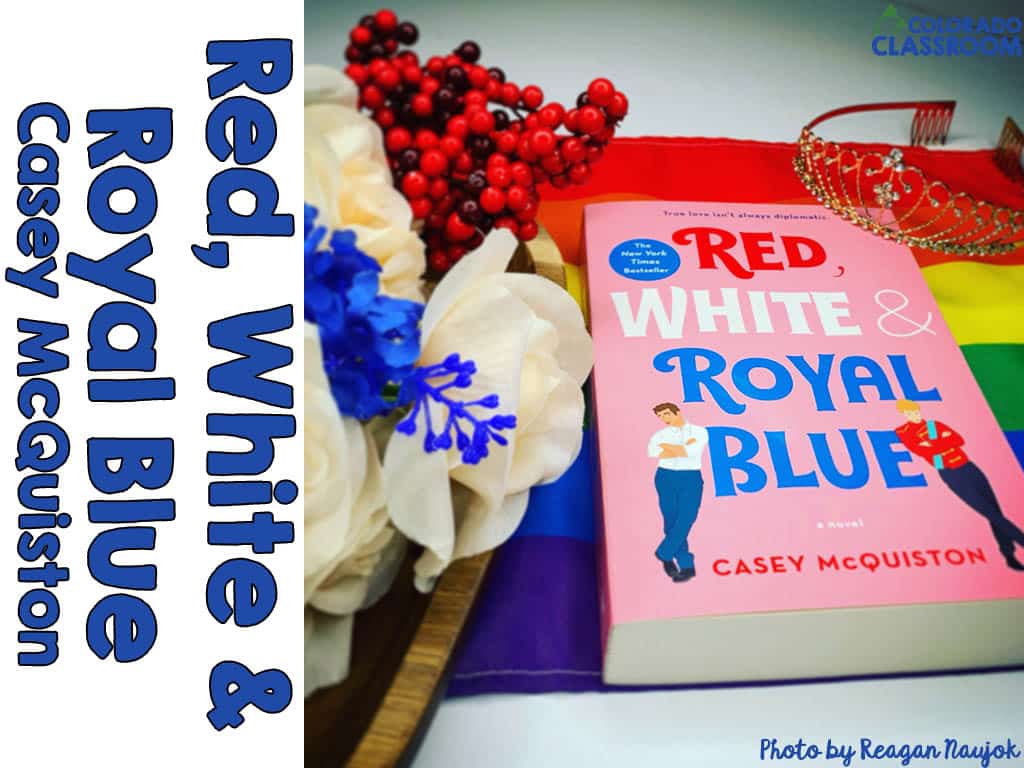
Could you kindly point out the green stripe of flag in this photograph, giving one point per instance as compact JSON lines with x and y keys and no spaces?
{"x":999,"y":369}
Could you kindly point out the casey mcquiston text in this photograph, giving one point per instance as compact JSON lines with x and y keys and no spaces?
{"x":862,"y":561}
{"x":120,"y":624}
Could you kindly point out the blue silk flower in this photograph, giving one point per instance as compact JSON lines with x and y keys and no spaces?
{"x":371,"y":343}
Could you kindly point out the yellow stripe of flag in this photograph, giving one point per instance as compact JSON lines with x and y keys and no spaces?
{"x":574,"y":285}
{"x":982,"y":303}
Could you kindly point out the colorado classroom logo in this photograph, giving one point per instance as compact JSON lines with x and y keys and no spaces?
{"x":894,"y":35}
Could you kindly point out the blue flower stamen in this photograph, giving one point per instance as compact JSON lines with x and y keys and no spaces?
{"x":421,"y":389}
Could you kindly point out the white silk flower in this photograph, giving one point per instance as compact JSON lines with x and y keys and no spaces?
{"x":531,"y":348}
{"x":346,"y":177}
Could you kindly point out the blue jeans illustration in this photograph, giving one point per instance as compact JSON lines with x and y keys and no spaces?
{"x":679,"y":495}
{"x":970,"y":484}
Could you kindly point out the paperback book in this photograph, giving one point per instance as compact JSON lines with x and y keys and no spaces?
{"x":799,"y":476}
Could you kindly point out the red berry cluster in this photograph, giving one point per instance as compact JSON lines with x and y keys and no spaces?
{"x":465,"y":167}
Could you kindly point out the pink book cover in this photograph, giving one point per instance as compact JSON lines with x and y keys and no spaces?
{"x":820,"y":440}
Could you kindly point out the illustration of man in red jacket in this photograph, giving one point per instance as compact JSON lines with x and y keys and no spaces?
{"x":942,"y":447}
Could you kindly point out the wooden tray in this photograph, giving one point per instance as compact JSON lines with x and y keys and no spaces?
{"x":401,"y":651}
{"x":402,"y":647}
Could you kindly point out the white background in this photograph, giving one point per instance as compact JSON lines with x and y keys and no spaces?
{"x":746,"y":69}
{"x":83,"y":711}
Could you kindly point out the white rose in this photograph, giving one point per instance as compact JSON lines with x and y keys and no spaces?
{"x":345,"y":522}
{"x":528,"y":340}
{"x":348,"y":180}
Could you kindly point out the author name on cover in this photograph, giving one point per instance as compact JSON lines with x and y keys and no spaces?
{"x":864,"y":561}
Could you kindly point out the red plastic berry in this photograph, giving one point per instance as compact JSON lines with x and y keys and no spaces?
{"x":433,"y":162}
{"x":397,"y":138}
{"x":361,"y":36}
{"x":388,"y":79}
{"x":452,"y":146}
{"x":438,"y":261}
{"x":529,"y":211}
{"x":553,"y":163}
{"x":532,"y":96}
{"x":590,"y":119}
{"x":551,"y":115}
{"x":492,"y":199}
{"x":600,"y":91}
{"x":579,"y":173}
{"x":543,"y":141}
{"x":458,"y":126}
{"x":422,"y":105}
{"x":456,"y":229}
{"x":385,"y":21}
{"x":618,"y":106}
{"x":358,"y":74}
{"x":478,"y":77}
{"x":507,"y":222}
{"x":499,"y":175}
{"x":481,"y":122}
{"x":412,"y":74}
{"x":506,"y":142}
{"x":435,"y":65}
{"x":509,"y":94}
{"x":464,"y":162}
{"x":425,"y":139}
{"x":521,"y":174}
{"x":572,"y":119}
{"x":438,"y":189}
{"x":384,"y":117}
{"x":528,"y":230}
{"x":430,"y":85}
{"x":445,"y":205}
{"x":421,"y":207}
{"x":372,"y":97}
{"x":524,"y":150}
{"x":517,"y":197}
{"x":573,"y":150}
{"x":415,"y":184}
{"x":475,"y":99}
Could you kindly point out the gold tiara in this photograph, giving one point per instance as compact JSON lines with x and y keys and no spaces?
{"x":897,"y":201}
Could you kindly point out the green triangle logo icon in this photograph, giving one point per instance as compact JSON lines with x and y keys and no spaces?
{"x":891,"y":20}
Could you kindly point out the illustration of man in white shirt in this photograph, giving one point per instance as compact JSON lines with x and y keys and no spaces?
{"x":678,"y":448}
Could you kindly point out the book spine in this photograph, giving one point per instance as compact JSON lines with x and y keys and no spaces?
{"x":601,"y":541}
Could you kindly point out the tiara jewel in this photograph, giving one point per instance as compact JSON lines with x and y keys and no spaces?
{"x":884,"y":195}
